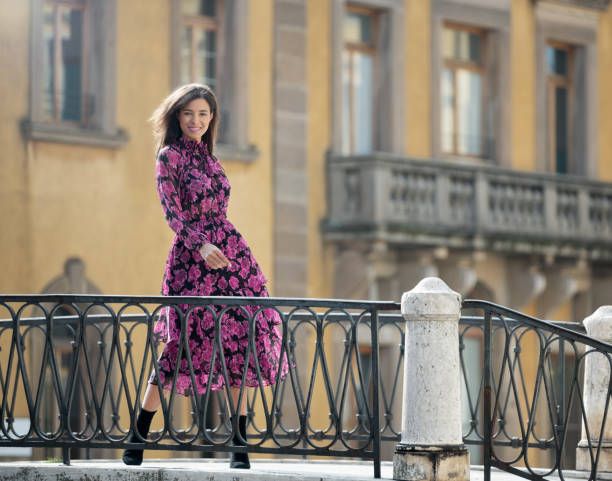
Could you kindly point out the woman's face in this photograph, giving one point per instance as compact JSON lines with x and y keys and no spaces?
{"x":194,"y":119}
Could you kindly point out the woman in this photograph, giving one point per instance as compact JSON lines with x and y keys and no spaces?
{"x":208,"y":257}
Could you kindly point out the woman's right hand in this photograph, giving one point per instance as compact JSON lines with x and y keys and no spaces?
{"x":214,"y":258}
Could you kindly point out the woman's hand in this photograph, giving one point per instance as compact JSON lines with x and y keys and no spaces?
{"x":214,"y":258}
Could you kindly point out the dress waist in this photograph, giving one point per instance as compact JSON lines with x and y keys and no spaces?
{"x":210,"y":217}
{"x":204,"y":224}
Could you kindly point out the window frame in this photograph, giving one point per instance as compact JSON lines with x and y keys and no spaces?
{"x":552,"y":82}
{"x":495,"y":21}
{"x":554,"y":23}
{"x":232,"y":69}
{"x":205,"y":23}
{"x":98,"y":127}
{"x":389,"y":121}
{"x":57,"y":61}
{"x":456,"y":65}
{"x":360,"y":47}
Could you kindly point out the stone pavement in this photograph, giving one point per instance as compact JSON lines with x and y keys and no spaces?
{"x":218,"y":470}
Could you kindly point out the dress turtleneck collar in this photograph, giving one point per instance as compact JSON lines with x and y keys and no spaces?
{"x":192,"y":145}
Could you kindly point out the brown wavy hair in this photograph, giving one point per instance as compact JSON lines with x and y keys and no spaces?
{"x":166,"y":127}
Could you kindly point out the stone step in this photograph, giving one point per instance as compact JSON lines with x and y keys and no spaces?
{"x":218,"y":470}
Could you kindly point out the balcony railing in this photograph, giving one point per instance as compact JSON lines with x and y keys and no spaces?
{"x":436,"y":203}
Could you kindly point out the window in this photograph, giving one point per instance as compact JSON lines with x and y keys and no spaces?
{"x":63,"y":65}
{"x":471,"y":106}
{"x":462,"y":91}
{"x":358,"y":80}
{"x":559,"y":65}
{"x":199,"y":42}
{"x":567,"y":92}
{"x":73,"y":73}
{"x":367,"y":77}
{"x":210,"y":45}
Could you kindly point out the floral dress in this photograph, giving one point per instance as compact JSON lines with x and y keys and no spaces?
{"x":194,"y":194}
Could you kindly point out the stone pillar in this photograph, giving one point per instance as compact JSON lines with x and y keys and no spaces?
{"x":596,"y":382}
{"x":431,"y":447}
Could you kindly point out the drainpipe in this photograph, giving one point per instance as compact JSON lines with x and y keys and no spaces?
{"x":431,"y":448}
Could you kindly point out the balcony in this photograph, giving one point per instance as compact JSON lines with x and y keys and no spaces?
{"x":430,"y":203}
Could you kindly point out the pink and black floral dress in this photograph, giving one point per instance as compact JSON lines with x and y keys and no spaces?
{"x":194,"y":194}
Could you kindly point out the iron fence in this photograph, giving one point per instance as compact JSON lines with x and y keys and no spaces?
{"x":528,"y":409}
{"x":75,"y":368}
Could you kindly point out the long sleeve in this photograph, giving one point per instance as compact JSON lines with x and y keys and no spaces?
{"x":177,"y":218}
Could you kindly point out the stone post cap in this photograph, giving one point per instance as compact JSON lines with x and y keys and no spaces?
{"x":599,"y":324}
{"x":431,"y":299}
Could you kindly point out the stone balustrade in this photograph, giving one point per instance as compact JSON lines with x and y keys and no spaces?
{"x":427,"y":202}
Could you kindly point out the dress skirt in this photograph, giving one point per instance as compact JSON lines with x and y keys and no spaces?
{"x":244,"y":340}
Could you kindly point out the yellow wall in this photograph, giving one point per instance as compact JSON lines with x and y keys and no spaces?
{"x":563,"y":313}
{"x":522,"y":56}
{"x":100,"y":204}
{"x":14,"y":211}
{"x":418,"y":78}
{"x":251,"y":206}
{"x":15,"y":245}
{"x":604,"y":49}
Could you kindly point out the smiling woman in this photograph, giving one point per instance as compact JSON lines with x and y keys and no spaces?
{"x":208,"y":257}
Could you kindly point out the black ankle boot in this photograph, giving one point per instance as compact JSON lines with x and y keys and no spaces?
{"x":133,"y":457}
{"x":240,"y":460}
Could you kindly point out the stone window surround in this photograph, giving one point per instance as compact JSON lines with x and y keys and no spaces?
{"x":235,"y":60}
{"x":562,"y":24}
{"x":101,"y":130}
{"x":496,"y":21}
{"x":390,"y":132}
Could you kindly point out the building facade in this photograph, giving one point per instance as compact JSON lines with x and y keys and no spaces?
{"x":369,"y":143}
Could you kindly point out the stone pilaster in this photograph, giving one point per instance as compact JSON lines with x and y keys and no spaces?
{"x":290,"y":135}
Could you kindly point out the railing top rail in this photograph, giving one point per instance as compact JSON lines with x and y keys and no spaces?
{"x":555,"y":328}
{"x":199,"y":300}
{"x":384,"y":317}
{"x":479,"y":320}
{"x":136,"y":317}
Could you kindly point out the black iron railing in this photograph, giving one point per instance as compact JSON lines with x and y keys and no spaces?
{"x":528,"y":410}
{"x":75,"y":367}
